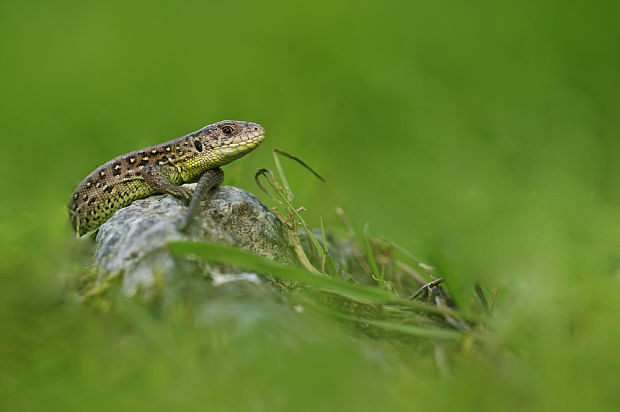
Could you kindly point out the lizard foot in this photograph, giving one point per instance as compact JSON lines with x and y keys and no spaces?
{"x":182,"y":193}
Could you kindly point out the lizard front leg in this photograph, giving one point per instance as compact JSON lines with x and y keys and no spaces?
{"x":210,"y":179}
{"x":164,"y":179}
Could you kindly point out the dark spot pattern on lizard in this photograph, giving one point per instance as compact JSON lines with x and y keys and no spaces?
{"x":120,"y":181}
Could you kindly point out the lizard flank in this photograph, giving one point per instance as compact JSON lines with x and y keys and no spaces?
{"x":162,"y":168}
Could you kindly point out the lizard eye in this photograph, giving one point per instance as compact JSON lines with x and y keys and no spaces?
{"x":227,"y":130}
{"x":198,"y":145}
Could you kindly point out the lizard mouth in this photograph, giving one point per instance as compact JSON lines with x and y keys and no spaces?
{"x":238,"y":149}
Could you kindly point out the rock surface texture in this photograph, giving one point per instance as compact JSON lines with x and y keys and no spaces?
{"x":133,"y":240}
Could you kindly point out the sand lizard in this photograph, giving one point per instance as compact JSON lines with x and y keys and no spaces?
{"x":161,"y":169}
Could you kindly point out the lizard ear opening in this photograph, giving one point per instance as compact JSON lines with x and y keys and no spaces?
{"x":198,"y":145}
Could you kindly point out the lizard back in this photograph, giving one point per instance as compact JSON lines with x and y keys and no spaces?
{"x":118,"y":182}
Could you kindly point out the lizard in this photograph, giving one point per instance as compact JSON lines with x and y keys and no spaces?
{"x":161,"y":169}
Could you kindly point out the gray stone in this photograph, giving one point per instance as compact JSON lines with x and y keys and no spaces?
{"x":133,"y":240}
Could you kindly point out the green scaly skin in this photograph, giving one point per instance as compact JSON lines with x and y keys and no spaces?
{"x":161,"y":169}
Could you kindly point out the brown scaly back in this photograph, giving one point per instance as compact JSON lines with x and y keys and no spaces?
{"x":118,"y":182}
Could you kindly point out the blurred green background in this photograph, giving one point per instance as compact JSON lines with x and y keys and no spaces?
{"x":483,"y":136}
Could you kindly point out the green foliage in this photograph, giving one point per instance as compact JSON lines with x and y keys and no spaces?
{"x":248,"y":260}
{"x":482,"y":136}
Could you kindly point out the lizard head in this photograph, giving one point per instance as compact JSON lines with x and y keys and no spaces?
{"x":228,"y":140}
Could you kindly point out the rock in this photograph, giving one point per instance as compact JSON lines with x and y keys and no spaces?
{"x":133,"y":240}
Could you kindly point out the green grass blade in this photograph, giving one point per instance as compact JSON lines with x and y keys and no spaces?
{"x":281,"y":172}
{"x":412,"y":330}
{"x":371,"y":256}
{"x":404,"y":251}
{"x":333,"y":270}
{"x":238,"y":257}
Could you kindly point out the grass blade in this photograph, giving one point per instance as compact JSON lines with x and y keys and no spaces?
{"x":238,"y":257}
{"x":371,"y":257}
